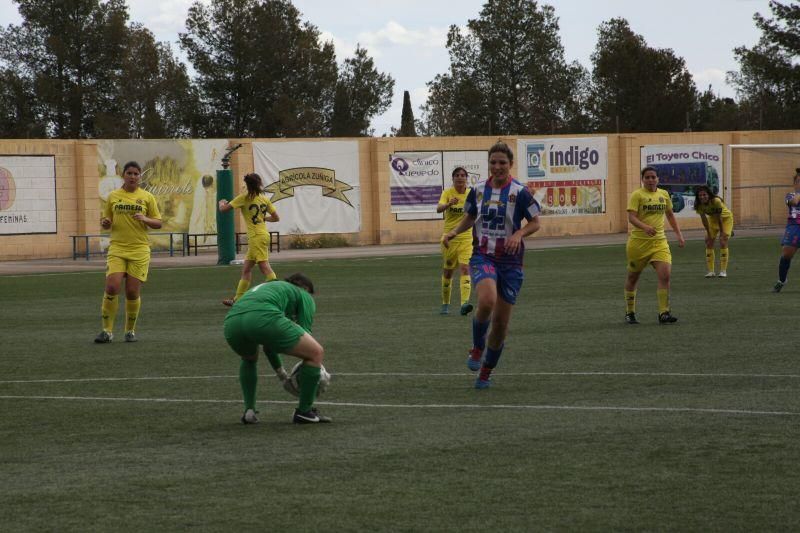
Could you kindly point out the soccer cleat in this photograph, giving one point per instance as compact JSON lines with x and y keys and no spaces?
{"x":474,"y":359}
{"x":630,"y":318}
{"x":130,"y":336}
{"x":104,"y":337}
{"x":445,"y":310}
{"x":667,"y":318}
{"x":711,"y":275}
{"x":228,"y":302}
{"x":311,"y":416}
{"x":249,"y":417}
{"x":723,"y":274}
{"x":481,"y":384}
{"x":778,"y":286}
{"x":466,"y":309}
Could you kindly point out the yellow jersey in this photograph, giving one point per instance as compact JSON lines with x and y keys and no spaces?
{"x":650,"y":208}
{"x":715,"y":207}
{"x":127,"y":233}
{"x":254,"y":211}
{"x":455,"y":213}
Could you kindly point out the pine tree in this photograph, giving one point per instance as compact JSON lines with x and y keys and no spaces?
{"x":407,"y":128}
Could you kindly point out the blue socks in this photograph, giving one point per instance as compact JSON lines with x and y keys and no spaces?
{"x":492,"y":356}
{"x":783,"y":269}
{"x":479,"y":330}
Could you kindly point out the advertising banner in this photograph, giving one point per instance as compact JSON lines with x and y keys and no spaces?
{"x":475,"y":162}
{"x":566,"y":176}
{"x":416,"y":182}
{"x":681,"y":168}
{"x":179,"y":173}
{"x":314,"y":186}
{"x":27,"y":194}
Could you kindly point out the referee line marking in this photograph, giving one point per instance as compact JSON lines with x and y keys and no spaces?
{"x":609,"y":408}
{"x":420,"y":374}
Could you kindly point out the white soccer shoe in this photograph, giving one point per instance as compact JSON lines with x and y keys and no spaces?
{"x":723,"y":274}
{"x":249,"y":417}
{"x":711,"y":275}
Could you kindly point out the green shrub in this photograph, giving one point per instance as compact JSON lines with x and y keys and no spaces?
{"x":301,"y":241}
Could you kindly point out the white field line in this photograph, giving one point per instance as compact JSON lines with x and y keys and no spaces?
{"x":607,"y":408}
{"x":423,"y":374}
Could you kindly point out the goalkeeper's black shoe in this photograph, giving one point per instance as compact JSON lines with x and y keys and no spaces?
{"x":630,"y":318}
{"x":667,"y":318}
{"x":311,"y":416}
{"x":778,"y":286}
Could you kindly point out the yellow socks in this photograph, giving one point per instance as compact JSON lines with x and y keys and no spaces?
{"x":108,"y":311}
{"x":663,"y":300}
{"x":710,"y":260}
{"x":466,"y":288}
{"x":132,"y":313}
{"x":271,"y":277}
{"x":447,"y":286}
{"x":723,"y":259}
{"x":241,"y":288}
{"x":630,"y":301}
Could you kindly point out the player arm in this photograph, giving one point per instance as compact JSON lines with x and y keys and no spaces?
{"x":634,"y":220}
{"x":107,"y":216}
{"x":273,"y":216}
{"x":704,"y":219}
{"x":224,"y":206}
{"x":673,"y":222}
{"x":530,"y":227}
{"x":794,"y":200}
{"x":467,"y":222}
{"x":442,"y":206}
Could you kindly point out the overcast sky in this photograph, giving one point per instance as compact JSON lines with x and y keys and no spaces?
{"x":407,"y":37}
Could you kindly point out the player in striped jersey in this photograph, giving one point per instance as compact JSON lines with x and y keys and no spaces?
{"x":495,"y":209}
{"x":791,"y":236}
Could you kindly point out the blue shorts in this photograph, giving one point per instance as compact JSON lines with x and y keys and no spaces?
{"x":791,"y":237}
{"x":508,"y":278}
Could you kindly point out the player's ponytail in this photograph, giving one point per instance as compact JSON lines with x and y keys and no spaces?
{"x":254,"y":184}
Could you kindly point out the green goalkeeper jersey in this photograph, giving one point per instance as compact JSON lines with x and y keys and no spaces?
{"x":278,"y":297}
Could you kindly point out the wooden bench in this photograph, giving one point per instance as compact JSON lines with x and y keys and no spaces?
{"x":86,"y":250}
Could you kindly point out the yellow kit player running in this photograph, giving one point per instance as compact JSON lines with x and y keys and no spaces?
{"x":256,"y":210}
{"x":647,"y":244}
{"x":128,"y":212}
{"x":459,"y":251}
{"x":718,"y":220}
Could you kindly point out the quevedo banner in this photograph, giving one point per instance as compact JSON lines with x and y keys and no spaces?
{"x":682,"y":168}
{"x":181,"y":174}
{"x":418,"y":178}
{"x":416,"y":181}
{"x":314,"y":186}
{"x":27,"y":195}
{"x":567,"y":176}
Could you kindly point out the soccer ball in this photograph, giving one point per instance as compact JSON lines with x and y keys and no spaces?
{"x":293,"y":387}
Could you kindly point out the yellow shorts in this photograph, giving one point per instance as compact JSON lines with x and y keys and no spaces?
{"x":134,"y":265}
{"x":727,"y":225}
{"x":258,"y":248}
{"x":457,"y":254}
{"x":641,"y":252}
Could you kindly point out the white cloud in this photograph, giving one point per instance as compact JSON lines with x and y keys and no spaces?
{"x":396,"y":34}
{"x":714,"y":77}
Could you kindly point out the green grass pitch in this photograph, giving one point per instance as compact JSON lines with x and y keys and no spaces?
{"x":590,"y":424}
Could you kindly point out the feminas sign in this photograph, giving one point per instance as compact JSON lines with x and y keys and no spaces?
{"x":27,"y":195}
